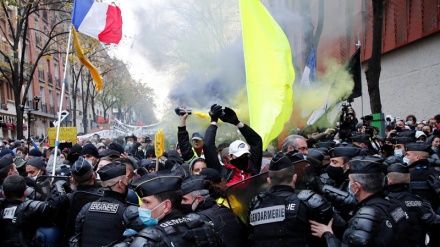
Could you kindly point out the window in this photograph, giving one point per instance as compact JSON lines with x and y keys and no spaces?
{"x":50,"y":98}
{"x":43,"y":99}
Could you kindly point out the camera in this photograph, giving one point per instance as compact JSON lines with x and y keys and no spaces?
{"x":180,"y":111}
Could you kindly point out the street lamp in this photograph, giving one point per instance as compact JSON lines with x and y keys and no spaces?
{"x":29,"y":109}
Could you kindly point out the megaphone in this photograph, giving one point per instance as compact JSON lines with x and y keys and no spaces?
{"x":64,"y":114}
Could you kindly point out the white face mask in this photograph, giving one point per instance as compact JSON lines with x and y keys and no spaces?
{"x":129,"y":144}
{"x":36,"y":176}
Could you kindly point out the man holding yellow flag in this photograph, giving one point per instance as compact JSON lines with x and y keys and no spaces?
{"x":244,"y":158}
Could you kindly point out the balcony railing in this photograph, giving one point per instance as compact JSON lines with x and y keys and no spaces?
{"x":52,"y":109}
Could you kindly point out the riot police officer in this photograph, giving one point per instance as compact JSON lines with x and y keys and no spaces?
{"x":7,"y":168}
{"x":376,"y":221}
{"x":279,"y":217}
{"x":420,"y":212}
{"x":20,"y":218}
{"x":165,"y":225}
{"x":196,"y":199}
{"x":101,"y":222}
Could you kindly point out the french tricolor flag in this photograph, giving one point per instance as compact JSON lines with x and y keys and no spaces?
{"x":99,"y":20}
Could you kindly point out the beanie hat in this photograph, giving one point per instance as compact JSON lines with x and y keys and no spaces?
{"x":35,"y":153}
{"x":91,"y":150}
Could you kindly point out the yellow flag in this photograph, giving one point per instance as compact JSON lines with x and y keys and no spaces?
{"x":159,"y":143}
{"x":269,"y":70}
{"x":80,"y":54}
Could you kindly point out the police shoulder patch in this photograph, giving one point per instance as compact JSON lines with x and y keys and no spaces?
{"x":104,"y":207}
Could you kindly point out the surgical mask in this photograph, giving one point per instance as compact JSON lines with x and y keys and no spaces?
{"x":351,"y":193}
{"x":19,"y":156}
{"x":36,"y":176}
{"x":305,"y":157}
{"x":398,"y":153}
{"x":409,"y":122}
{"x":426,"y":132}
{"x":406,"y":160}
{"x":129,"y":144}
{"x":145,"y":216}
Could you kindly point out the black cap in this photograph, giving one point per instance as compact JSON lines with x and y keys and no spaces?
{"x":35,"y":153}
{"x":5,"y":161}
{"x":150,"y":151}
{"x":295,"y":157}
{"x":366,"y":165}
{"x":91,"y":150}
{"x":117,"y":147}
{"x":6,"y":151}
{"x":157,"y":182}
{"x":131,"y":135}
{"x":418,"y":146}
{"x":362,"y":138}
{"x":196,"y":136}
{"x":112,"y":170}
{"x":37,"y":162}
{"x":19,"y":162}
{"x":327,"y":145}
{"x":349,"y":151}
{"x":81,"y":170}
{"x":109,"y":153}
{"x":193,"y":183}
{"x":316,"y":153}
{"x":211,"y":174}
{"x":399,"y":168}
{"x":279,"y":162}
{"x":401,"y":140}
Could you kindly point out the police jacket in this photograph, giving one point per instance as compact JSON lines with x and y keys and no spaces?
{"x":391,"y":160}
{"x":175,"y":229}
{"x":279,"y":218}
{"x":101,"y":222}
{"x":420,"y":213}
{"x":376,"y":222}
{"x":229,"y":172}
{"x":20,"y":220}
{"x":226,"y":224}
{"x":420,"y":171}
{"x":188,"y":152}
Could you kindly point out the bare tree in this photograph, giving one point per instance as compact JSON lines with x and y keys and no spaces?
{"x":373,"y":70}
{"x":16,"y":69}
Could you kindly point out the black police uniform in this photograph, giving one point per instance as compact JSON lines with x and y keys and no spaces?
{"x":19,"y":220}
{"x":420,"y":212}
{"x":226,"y":224}
{"x":101,"y":222}
{"x":420,"y":171}
{"x":377,"y":222}
{"x":175,"y":229}
{"x":279,"y":218}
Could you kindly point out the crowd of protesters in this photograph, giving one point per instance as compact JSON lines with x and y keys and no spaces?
{"x":347,"y":186}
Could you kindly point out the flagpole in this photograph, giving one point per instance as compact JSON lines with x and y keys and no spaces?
{"x":358,"y":45}
{"x":61,"y":102}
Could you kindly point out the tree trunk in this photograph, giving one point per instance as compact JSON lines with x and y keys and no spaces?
{"x":372,"y":72}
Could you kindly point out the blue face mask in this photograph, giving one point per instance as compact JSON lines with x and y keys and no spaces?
{"x":145,"y":216}
{"x":398,"y":153}
{"x":406,"y":160}
{"x":305,"y":157}
{"x":351,"y":193}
